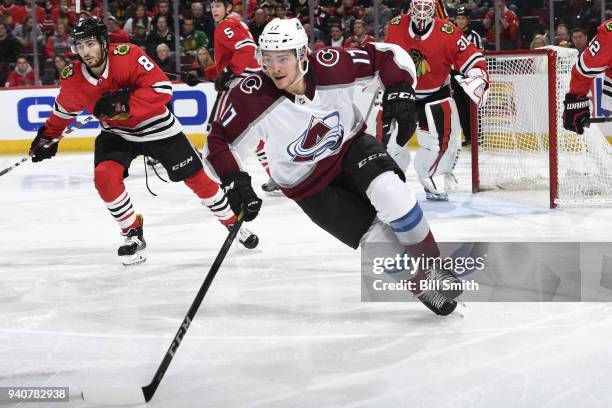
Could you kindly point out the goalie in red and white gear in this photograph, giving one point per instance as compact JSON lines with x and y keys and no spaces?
{"x":595,"y":60}
{"x":436,"y":47}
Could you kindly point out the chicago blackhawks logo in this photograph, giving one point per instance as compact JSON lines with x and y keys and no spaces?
{"x":420,"y":62}
{"x":447,"y":28}
{"x":395,"y":20}
{"x":122,"y":49}
{"x":323,"y":137}
{"x":67,"y":72}
{"x":609,"y":26}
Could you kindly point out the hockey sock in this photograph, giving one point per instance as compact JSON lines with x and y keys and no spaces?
{"x":261,"y":156}
{"x":108,"y":179}
{"x":212,"y":196}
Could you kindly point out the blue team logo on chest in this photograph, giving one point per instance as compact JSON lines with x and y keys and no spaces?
{"x":323,"y":135}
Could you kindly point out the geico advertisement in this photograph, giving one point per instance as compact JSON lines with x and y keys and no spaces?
{"x":25,"y":110}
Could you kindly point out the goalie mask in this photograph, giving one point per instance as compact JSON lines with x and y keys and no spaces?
{"x":421,"y":13}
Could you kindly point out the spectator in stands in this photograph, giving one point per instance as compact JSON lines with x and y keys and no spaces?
{"x":580,"y":39}
{"x":10,"y":47}
{"x":59,"y":43}
{"x":203,"y":21}
{"x":120,"y":9}
{"x":315,"y":36}
{"x":562,"y":37}
{"x":203,"y":61}
{"x":509,"y":24}
{"x":321,"y":15}
{"x":52,"y":76}
{"x":23,"y":33}
{"x":14,"y":14}
{"x":163,"y":11}
{"x":41,"y":14}
{"x":359,"y":37}
{"x":139,"y":35}
{"x":258,"y":23}
{"x":140,"y":16}
{"x":115,"y":33}
{"x":162,"y":58}
{"x":161,"y":34}
{"x":91,"y":7}
{"x":336,"y":38}
{"x":22,"y":75}
{"x":192,"y":40}
{"x":280,"y":11}
{"x":347,"y":13}
{"x":384,"y":15}
{"x":63,"y":13}
{"x":539,"y":41}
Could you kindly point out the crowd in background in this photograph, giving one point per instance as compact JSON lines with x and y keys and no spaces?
{"x":345,"y":23}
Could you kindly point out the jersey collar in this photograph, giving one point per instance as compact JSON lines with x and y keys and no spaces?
{"x":424,"y":36}
{"x":90,"y":78}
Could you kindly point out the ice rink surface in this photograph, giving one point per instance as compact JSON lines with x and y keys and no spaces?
{"x":283,"y":325}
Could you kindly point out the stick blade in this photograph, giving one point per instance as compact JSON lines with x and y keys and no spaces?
{"x":128,"y":395}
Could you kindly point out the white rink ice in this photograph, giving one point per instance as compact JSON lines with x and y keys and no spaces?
{"x":283,"y":325}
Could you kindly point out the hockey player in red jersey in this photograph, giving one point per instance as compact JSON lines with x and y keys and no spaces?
{"x":128,"y":93}
{"x":319,"y":154}
{"x":435,"y":47}
{"x":595,"y":60}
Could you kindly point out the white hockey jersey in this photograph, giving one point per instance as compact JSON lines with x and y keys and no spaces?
{"x":306,"y":136}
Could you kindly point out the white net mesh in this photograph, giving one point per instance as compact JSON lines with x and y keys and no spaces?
{"x":513,"y":133}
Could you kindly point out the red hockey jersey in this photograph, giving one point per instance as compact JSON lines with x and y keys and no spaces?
{"x":435,"y":53}
{"x":306,"y":136}
{"x":234,"y":46}
{"x":128,"y":67}
{"x":596,"y":59}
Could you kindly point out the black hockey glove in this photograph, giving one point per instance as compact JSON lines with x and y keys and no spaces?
{"x":576,"y":112}
{"x":113,"y":105}
{"x":38,"y":151}
{"x":190,"y":78}
{"x":240,"y":193}
{"x":398,"y":104}
{"x":222,"y":83}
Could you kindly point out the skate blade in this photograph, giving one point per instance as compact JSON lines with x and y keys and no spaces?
{"x":129,"y":260}
{"x":274,"y":193}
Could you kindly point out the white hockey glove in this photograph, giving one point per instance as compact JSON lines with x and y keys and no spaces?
{"x":475,"y":83}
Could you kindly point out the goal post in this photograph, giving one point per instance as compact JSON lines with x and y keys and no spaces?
{"x":518,"y":139}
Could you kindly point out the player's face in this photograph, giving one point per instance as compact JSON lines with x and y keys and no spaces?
{"x":282,"y":67}
{"x":461,"y":21}
{"x":90,"y":51}
{"x":218,"y":11}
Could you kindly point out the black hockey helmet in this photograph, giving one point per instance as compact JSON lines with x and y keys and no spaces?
{"x":463,"y":11}
{"x":89,"y":27}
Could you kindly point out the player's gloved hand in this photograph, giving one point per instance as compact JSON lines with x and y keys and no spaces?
{"x":38,"y":149}
{"x":222,"y":83}
{"x":475,"y":83}
{"x":190,"y":78}
{"x":398,"y":104}
{"x":113,"y":105}
{"x":240,"y":193}
{"x":576,"y":112}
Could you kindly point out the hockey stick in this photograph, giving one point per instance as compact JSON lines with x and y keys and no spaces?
{"x":213,"y":112}
{"x":76,"y":126}
{"x":139,"y":395}
{"x":196,"y":78}
{"x":599,"y":120}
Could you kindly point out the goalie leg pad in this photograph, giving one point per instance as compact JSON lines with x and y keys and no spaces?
{"x":439,"y":143}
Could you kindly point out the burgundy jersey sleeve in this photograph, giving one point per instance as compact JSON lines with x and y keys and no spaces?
{"x":150,"y":88}
{"x":593,"y":61}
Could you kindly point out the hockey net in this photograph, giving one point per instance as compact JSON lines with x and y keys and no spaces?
{"x":522,"y":142}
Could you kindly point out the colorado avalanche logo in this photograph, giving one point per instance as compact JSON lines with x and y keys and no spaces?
{"x":323,"y":135}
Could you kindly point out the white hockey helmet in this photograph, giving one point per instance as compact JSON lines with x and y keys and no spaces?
{"x":285,"y":34}
{"x":422,"y":12}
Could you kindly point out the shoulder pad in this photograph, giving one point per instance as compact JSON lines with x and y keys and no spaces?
{"x":122,"y":49}
{"x":67,"y":72}
{"x":447,"y":28}
{"x":395,"y":20}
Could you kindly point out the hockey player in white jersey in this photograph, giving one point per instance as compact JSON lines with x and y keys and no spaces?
{"x":319,"y":154}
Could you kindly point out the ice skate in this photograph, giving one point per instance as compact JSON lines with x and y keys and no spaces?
{"x":450,"y":284}
{"x":437,"y":302}
{"x":436,"y":196}
{"x":131,"y":250}
{"x":246,"y":238}
{"x":271,"y":188}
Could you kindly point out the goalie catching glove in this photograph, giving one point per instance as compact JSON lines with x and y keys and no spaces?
{"x":42,"y":147}
{"x":113,"y":105}
{"x":475,"y":83}
{"x":237,"y":186}
{"x":576,"y":112}
{"x":398,"y":105}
